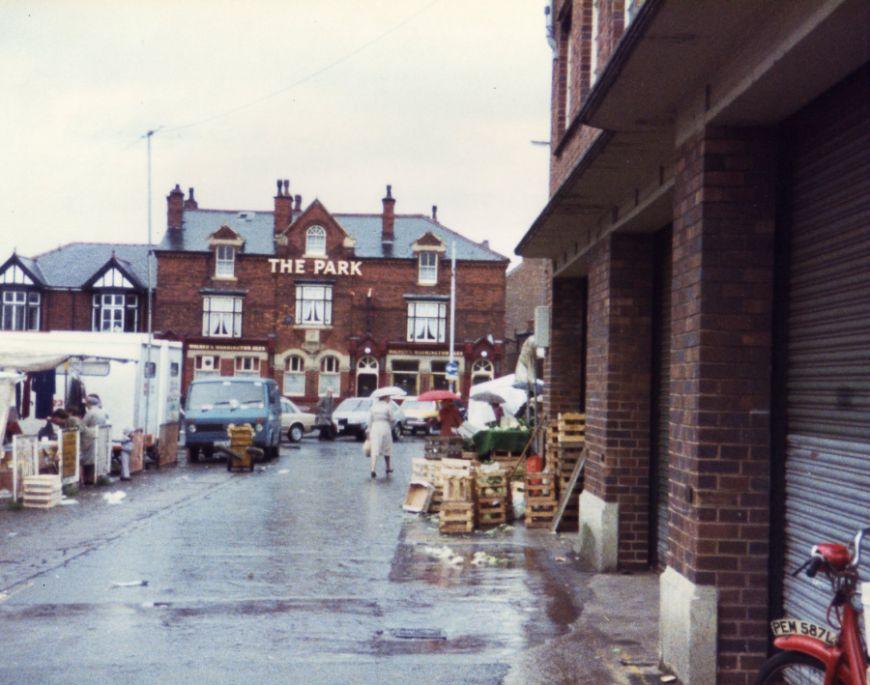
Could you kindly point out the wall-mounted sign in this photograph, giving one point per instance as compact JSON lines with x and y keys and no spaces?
{"x":203,"y":347}
{"x":315,"y":267}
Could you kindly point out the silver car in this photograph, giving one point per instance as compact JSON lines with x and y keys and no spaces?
{"x":351,"y":417}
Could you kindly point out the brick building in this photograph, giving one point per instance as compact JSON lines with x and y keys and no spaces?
{"x":347,"y":302}
{"x":526,"y":289}
{"x":79,"y":286}
{"x":709,"y":234}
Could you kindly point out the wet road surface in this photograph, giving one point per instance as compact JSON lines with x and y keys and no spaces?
{"x":306,"y":572}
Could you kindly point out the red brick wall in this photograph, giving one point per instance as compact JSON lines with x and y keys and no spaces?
{"x":619,"y":368}
{"x":526,"y":288}
{"x":720,"y":382}
{"x":563,"y":364}
{"x":72,"y":311}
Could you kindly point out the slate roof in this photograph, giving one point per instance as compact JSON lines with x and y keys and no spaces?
{"x":257,"y":231}
{"x":73,"y":265}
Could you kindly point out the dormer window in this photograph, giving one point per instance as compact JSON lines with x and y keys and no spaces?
{"x":427,"y":272}
{"x":315,"y":241}
{"x":225,"y":261}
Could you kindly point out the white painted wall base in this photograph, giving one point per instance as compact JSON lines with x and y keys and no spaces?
{"x":599,"y":532}
{"x":687,"y":628}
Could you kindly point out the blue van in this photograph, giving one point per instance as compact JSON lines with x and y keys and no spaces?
{"x":214,"y":403}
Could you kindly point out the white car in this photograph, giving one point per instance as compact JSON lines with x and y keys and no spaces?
{"x":294,"y":422}
{"x":351,"y":417}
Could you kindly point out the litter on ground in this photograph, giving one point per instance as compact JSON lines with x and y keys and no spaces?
{"x":485,"y":559}
{"x":130,"y":583}
{"x":444,"y":554}
{"x":68,"y":501}
{"x":115,"y":497}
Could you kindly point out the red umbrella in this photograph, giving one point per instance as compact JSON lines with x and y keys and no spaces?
{"x":438,"y":396}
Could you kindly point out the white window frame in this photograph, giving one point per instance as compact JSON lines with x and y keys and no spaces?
{"x":314,"y":304}
{"x":427,"y":274}
{"x":569,"y":74}
{"x":109,"y":309}
{"x":222,"y":316}
{"x":225,"y":262}
{"x":483,"y":369}
{"x":247,"y":365}
{"x":427,"y":321}
{"x":206,"y":366}
{"x":315,"y":241}
{"x":294,"y":376}
{"x":20,"y":310}
{"x":329,"y":377}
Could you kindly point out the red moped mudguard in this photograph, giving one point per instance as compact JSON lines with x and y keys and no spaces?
{"x":831,"y":657}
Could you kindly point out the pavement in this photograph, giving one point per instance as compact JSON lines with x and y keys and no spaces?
{"x":304,"y":571}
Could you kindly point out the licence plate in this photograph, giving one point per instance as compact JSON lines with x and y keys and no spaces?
{"x":222,"y":443}
{"x":789,"y":626}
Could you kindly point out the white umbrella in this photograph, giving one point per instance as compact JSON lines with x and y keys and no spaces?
{"x":389,"y":391}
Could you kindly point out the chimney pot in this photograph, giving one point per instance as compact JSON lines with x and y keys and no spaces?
{"x":298,"y":203}
{"x":175,"y":208}
{"x":435,"y":213}
{"x":388,"y":218}
{"x":283,"y":206}
{"x":190,"y":202}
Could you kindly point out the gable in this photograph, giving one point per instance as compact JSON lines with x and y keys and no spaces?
{"x":114,"y":275}
{"x":225,"y":235}
{"x":428,"y":242}
{"x":14,"y":272}
{"x":337,"y":238}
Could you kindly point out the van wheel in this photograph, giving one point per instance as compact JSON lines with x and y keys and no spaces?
{"x":193,"y":455}
{"x":295,"y":433}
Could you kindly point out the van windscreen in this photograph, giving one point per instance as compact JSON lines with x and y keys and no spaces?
{"x":226,"y":393}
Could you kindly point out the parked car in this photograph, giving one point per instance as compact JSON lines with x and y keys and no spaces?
{"x":420,"y":417}
{"x":295,"y":423}
{"x":351,"y":417}
{"x":214,"y":403}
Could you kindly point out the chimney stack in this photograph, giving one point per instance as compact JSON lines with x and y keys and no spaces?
{"x":175,"y":208}
{"x":435,"y":213}
{"x":190,"y":202}
{"x":283,"y":206}
{"x":298,"y":206}
{"x":389,"y":217}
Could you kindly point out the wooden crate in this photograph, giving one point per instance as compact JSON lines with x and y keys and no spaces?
{"x":540,"y":512}
{"x":443,"y":447}
{"x":540,"y":486}
{"x":42,"y":492}
{"x":437,"y":500}
{"x":492,"y":512}
{"x":456,"y":518}
{"x":572,"y":428}
{"x":426,"y":469}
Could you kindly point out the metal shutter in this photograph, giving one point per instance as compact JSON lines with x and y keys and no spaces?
{"x":827,"y":464}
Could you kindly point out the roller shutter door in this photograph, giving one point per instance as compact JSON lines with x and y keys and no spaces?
{"x":827,"y":460}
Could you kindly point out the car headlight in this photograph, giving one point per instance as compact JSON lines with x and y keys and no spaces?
{"x":259,"y":427}
{"x":191,"y":428}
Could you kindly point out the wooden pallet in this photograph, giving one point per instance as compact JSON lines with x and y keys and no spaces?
{"x":572,"y":428}
{"x":437,"y":500}
{"x":456,"y":518}
{"x":492,"y":512}
{"x":426,"y":469}
{"x":540,"y":512}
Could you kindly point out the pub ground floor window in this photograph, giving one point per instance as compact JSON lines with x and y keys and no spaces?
{"x":294,"y":376}
{"x":439,"y":376}
{"x":406,"y":374}
{"x":206,"y":366}
{"x":247,"y":366}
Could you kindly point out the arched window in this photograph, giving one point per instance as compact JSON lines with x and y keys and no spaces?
{"x":366,"y":376}
{"x":330,"y":379}
{"x":481,"y":371}
{"x":315,"y":241}
{"x":294,"y":376}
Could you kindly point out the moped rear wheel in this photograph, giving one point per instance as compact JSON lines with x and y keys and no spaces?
{"x":792,"y":668}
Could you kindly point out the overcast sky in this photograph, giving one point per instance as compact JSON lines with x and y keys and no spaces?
{"x":441,"y":99}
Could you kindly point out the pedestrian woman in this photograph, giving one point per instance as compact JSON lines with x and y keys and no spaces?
{"x":449,"y":417}
{"x":381,"y":433}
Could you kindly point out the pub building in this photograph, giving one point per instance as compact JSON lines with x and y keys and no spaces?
{"x":320,"y":301}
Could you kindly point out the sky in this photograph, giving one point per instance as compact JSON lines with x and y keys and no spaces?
{"x":440,"y":98}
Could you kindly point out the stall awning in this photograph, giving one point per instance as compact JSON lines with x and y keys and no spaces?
{"x":26,"y":361}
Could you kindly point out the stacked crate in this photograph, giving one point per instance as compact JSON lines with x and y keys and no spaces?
{"x":571,"y":443}
{"x":443,"y":447}
{"x":41,"y":492}
{"x":541,"y":501}
{"x":429,"y":470}
{"x":458,"y":507}
{"x":493,"y":495}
